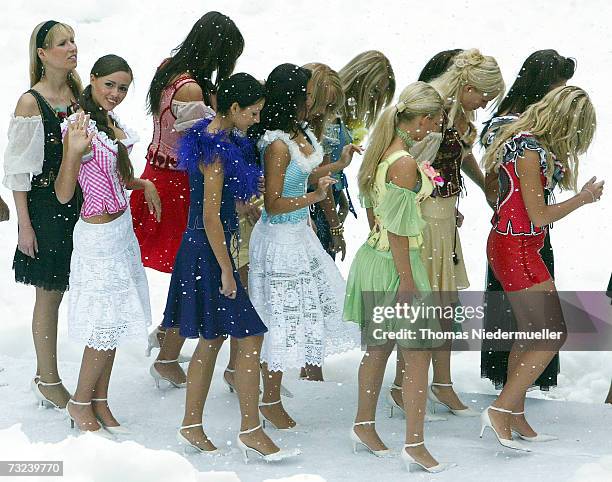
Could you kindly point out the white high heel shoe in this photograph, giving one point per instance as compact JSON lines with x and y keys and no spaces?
{"x":541,"y":437}
{"x":182,"y":440}
{"x":357,"y":441}
{"x":429,"y":417}
{"x":282,"y":454}
{"x":116,"y":430}
{"x":411,"y":463}
{"x":433,"y":398}
{"x":100,"y":431}
{"x":153,"y":342}
{"x":44,"y":401}
{"x":485,"y":422}
{"x":158,"y":377}
{"x":265,"y":419}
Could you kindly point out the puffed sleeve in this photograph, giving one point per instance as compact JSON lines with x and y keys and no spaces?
{"x":25,"y":152}
{"x":188,"y":113}
{"x":365,"y":201}
{"x":398,"y":212}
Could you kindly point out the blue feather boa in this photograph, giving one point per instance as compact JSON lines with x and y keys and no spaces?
{"x":236,"y":153}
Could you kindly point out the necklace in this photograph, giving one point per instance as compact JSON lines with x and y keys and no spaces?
{"x":405,"y":137}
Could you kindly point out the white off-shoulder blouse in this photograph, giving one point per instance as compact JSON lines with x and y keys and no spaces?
{"x":25,"y":152}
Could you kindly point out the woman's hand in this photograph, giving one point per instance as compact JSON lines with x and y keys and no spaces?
{"x":407,"y":293}
{"x":592,"y":190}
{"x":76,"y":140}
{"x":228,"y":285}
{"x":251,"y":212}
{"x":26,"y":241}
{"x":151,"y":197}
{"x":322,"y":187}
{"x":261,"y":185}
{"x":347,"y":154}
{"x":4,"y":211}
{"x":338,"y":244}
{"x":460,"y":218}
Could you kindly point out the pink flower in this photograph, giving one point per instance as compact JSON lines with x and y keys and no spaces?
{"x":432,"y":174}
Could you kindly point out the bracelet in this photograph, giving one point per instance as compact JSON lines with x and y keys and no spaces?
{"x":337,"y":231}
{"x":589,"y":191}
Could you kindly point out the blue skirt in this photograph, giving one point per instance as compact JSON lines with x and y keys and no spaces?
{"x":195,"y":304}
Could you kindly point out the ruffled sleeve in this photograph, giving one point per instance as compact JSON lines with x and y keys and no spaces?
{"x":25,"y":152}
{"x":235,"y":152}
{"x":188,"y":113}
{"x":398,"y":212}
{"x":365,"y":201}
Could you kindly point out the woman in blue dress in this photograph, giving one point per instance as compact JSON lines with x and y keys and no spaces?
{"x":206,"y":299}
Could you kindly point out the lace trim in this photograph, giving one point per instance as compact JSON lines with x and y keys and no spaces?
{"x":305,"y":163}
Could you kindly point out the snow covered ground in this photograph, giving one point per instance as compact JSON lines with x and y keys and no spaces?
{"x":330,"y":32}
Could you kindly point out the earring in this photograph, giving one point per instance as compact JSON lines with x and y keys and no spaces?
{"x":42,"y":73}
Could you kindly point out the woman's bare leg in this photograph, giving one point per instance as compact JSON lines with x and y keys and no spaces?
{"x":170,"y":350}
{"x":101,"y":408}
{"x":271,"y":393}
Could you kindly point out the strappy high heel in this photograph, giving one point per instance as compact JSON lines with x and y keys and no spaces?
{"x":44,"y":401}
{"x":281,"y":454}
{"x":100,"y":431}
{"x":429,"y":417}
{"x":485,"y":421}
{"x":182,"y":440}
{"x":158,"y":376}
{"x":116,"y":430}
{"x":357,"y":441}
{"x":153,"y":342}
{"x":541,"y":437}
{"x":265,"y":419}
{"x":411,"y":463}
{"x":433,"y":398}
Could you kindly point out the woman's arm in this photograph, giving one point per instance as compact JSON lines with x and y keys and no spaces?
{"x":213,"y":189}
{"x":528,"y":170}
{"x":491,"y":188}
{"x":151,"y":196}
{"x":472,"y":170}
{"x":4,"y":211}
{"x":76,"y":142}
{"x":276,"y":160}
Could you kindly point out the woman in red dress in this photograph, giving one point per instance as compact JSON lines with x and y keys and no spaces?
{"x":181,"y":92}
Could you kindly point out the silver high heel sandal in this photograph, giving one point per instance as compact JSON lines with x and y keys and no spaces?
{"x":153,"y":342}
{"x":541,"y":437}
{"x":100,"y":431}
{"x":433,"y":398}
{"x":357,"y":441}
{"x":485,"y":422}
{"x":265,"y":419}
{"x":44,"y":401}
{"x":116,"y":430}
{"x":429,"y":417}
{"x":182,"y":440}
{"x":411,"y":463}
{"x":282,"y":454}
{"x":157,"y":376}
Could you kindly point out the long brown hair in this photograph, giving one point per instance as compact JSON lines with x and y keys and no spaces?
{"x":328,"y":97}
{"x":109,"y":64}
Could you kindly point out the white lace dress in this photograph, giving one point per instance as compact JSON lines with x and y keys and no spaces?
{"x":294,"y":284}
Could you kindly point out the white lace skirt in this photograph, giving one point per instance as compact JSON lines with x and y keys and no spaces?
{"x":298,"y":292}
{"x":108,"y":299}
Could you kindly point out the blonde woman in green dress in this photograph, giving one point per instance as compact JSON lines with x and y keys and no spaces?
{"x":388,"y":269}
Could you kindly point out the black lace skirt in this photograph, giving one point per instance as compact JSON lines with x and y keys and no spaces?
{"x":494,"y":364}
{"x":53,"y":224}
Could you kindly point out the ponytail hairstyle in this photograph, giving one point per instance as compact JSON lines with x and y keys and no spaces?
{"x":285,"y":100}
{"x":327,"y":95}
{"x":213,"y":45}
{"x":438,"y":64}
{"x":369,"y":81}
{"x":109,"y":64}
{"x":36,"y":66}
{"x":473,"y":68}
{"x":242,"y":88}
{"x":541,"y":71}
{"x":563,"y":122}
{"x":418,"y":99}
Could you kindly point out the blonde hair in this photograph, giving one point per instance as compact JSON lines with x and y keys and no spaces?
{"x":469,"y":67}
{"x":418,"y":99}
{"x":564,"y":123}
{"x":368,"y":72}
{"x":36,"y":66}
{"x":328,"y":96}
